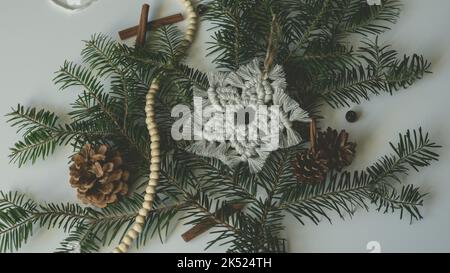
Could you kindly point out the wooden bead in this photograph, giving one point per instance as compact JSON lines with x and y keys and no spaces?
{"x":190,"y":32}
{"x":138,"y":228}
{"x":153,"y":183}
{"x":150,"y":190}
{"x":149,"y":197}
{"x":155,"y":167}
{"x":155,"y":160}
{"x":193,"y":15}
{"x":123,"y":248}
{"x":128,"y":240}
{"x":150,"y":101}
{"x":155,"y":145}
{"x":148,"y":205}
{"x":190,"y":39}
{"x":151,"y":121}
{"x":133,"y":234}
{"x":154,"y":132}
{"x":140,"y":219}
{"x":155,"y":152}
{"x":154,"y":175}
{"x":156,"y":138}
{"x":192,"y":27}
{"x":152,"y":125}
{"x":143,"y":212}
{"x":192,"y":22}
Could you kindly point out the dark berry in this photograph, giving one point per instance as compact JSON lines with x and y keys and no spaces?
{"x":202,"y":9}
{"x":351,"y":116}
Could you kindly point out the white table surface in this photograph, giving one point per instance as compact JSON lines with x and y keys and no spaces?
{"x":37,"y":37}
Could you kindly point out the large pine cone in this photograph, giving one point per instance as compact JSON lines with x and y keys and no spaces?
{"x":98,"y":176}
{"x":309,"y":168}
{"x":335,"y":148}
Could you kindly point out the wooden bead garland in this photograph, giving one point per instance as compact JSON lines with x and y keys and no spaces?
{"x":155,"y":165}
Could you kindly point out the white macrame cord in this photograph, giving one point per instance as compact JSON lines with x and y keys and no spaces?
{"x":247,"y":88}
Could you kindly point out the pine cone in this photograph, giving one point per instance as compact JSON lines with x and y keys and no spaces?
{"x":335,"y":148}
{"x":98,"y":176}
{"x":309,"y":168}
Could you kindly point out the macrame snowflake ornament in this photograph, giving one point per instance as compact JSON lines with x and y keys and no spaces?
{"x":269,"y":115}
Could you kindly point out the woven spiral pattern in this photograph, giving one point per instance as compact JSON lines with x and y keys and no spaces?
{"x":246,"y":91}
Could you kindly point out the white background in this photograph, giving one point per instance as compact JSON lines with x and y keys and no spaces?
{"x":37,"y":37}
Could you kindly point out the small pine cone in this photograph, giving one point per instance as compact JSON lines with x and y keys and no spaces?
{"x":98,"y":176}
{"x":309,"y":168}
{"x":335,"y":148}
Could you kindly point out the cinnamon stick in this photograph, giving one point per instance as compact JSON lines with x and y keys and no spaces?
{"x":197,"y":230}
{"x":206,"y":225}
{"x":132,"y":31}
{"x":142,"y":28}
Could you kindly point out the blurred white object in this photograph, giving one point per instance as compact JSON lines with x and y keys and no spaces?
{"x":374,"y":247}
{"x":374,"y":2}
{"x":73,"y":4}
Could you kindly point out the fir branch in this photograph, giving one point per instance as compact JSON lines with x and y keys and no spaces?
{"x":352,"y":86}
{"x":414,"y":150}
{"x":40,"y":144}
{"x":167,"y":41}
{"x":345,"y":192}
{"x":194,"y":76}
{"x":405,"y":72}
{"x":16,"y":220}
{"x":409,"y":200}
{"x":384,"y":73}
{"x":81,"y":239}
{"x":234,"y":41}
{"x":88,"y":229}
{"x":308,"y":31}
{"x":93,"y":95}
{"x":29,"y":119}
{"x":63,"y":216}
{"x":218,"y":180}
{"x":324,"y":56}
{"x":96,"y":103}
{"x":105,"y":56}
{"x":364,"y":19}
{"x":42,"y":133}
